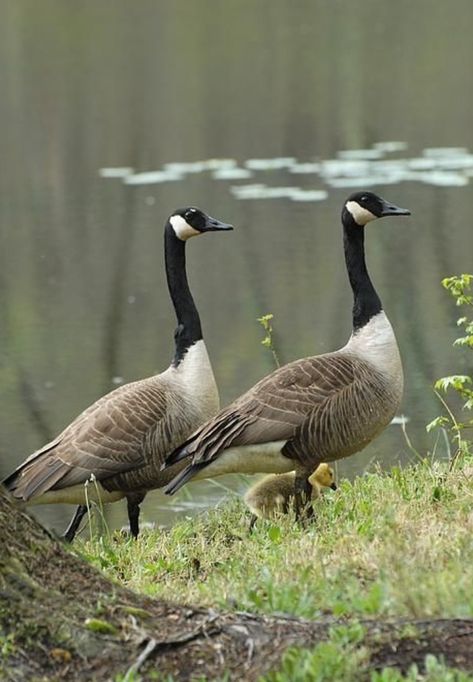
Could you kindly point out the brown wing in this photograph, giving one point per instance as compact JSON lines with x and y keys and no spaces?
{"x":276,"y":408}
{"x":346,"y":420}
{"x":104,"y":440}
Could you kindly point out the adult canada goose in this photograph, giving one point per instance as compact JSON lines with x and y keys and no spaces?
{"x":274,"y":494}
{"x":317,"y":409}
{"x":124,"y":437}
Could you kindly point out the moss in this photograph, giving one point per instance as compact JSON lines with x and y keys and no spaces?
{"x":101,"y":626}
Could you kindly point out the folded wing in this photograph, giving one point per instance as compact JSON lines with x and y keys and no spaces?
{"x":104,"y":440}
{"x":276,"y":408}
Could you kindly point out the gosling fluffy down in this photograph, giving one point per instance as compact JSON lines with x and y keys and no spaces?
{"x":274,"y":494}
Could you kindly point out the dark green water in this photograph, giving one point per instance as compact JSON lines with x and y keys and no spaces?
{"x":95,"y":84}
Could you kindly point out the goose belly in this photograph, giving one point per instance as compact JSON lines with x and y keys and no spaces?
{"x":76,"y":494}
{"x":249,"y":459}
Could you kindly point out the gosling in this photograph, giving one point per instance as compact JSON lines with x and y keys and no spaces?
{"x":274,"y":494}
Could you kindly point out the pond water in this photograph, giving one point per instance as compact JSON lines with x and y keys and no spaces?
{"x":264,"y":114}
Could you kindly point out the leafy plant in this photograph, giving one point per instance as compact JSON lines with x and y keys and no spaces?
{"x":339,"y":658}
{"x":435,"y":671}
{"x":460,"y":288}
{"x":268,"y":341}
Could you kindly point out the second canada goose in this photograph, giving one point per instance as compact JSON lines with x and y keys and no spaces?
{"x":317,"y":409}
{"x":275,"y":493}
{"x":124,"y":437}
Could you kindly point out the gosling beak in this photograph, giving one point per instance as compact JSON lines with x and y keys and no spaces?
{"x":391,"y":209}
{"x":212,"y":225}
{"x":333,"y":486}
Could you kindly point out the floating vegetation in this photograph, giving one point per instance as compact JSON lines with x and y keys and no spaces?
{"x":308,"y":194}
{"x":270,"y":164}
{"x":362,"y":181}
{"x":360,"y":154}
{"x":232,"y":174}
{"x":118,"y":172}
{"x":304,"y":167}
{"x":421,"y":163}
{"x":390,"y":147}
{"x":352,"y":168}
{"x":184,"y":167}
{"x":455,"y":162}
{"x":389,"y":165}
{"x":445,"y":151}
{"x":152,"y":177}
{"x":216,"y":164}
{"x":347,"y":167}
{"x":260,"y":191}
{"x":441,"y":178}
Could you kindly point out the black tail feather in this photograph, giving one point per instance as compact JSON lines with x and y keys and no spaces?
{"x":182,"y":477}
{"x":176,"y":455}
{"x":9,"y":481}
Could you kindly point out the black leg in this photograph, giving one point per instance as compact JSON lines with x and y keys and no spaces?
{"x":253,"y":520}
{"x":303,"y":498}
{"x":73,"y":527}
{"x":133,"y":502}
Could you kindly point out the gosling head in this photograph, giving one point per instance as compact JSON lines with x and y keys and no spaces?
{"x":363,"y":207}
{"x":324,"y":477}
{"x":191,"y":221}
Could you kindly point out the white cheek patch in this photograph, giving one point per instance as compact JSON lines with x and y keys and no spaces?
{"x":361,"y":215}
{"x":182,"y":229}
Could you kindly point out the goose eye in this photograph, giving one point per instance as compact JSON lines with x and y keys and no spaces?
{"x":364,"y":198}
{"x":189,"y":214}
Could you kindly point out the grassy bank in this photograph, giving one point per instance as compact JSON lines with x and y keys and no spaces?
{"x":396,"y":544}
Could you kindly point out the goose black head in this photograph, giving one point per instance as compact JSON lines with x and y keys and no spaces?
{"x":366,"y":206}
{"x":190,"y":222}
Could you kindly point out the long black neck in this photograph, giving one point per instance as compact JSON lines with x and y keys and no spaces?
{"x":366,"y":301}
{"x":188,"y":329}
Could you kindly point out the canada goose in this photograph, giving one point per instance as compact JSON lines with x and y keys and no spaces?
{"x":275,"y":493}
{"x":317,"y":409}
{"x":123,"y":438}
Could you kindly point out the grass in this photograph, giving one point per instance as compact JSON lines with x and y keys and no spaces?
{"x":387,"y":544}
{"x":396,"y":544}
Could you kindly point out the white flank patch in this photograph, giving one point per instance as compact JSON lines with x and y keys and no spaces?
{"x":196,"y":379}
{"x":181,"y":228}
{"x":76,"y":495}
{"x":376,"y":343}
{"x":361,"y":215}
{"x":264,"y":458}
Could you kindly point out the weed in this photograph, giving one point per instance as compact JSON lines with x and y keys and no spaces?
{"x":268,"y":341}
{"x":462,"y":384}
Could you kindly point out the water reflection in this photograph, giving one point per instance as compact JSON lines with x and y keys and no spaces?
{"x":112,"y":118}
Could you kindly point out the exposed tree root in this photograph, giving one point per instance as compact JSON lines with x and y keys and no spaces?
{"x":60,"y":619}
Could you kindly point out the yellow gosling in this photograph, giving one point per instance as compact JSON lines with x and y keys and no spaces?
{"x":274,"y":494}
